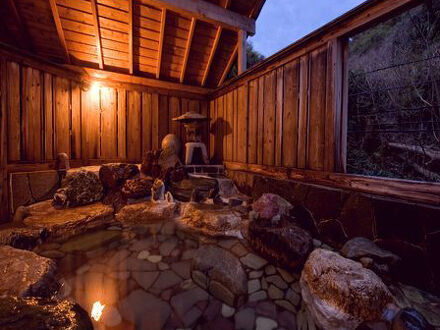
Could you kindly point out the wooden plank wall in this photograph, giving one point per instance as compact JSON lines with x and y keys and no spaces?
{"x":283,"y":117}
{"x":48,"y":114}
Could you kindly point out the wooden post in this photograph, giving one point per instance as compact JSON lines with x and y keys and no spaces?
{"x":242,"y":56}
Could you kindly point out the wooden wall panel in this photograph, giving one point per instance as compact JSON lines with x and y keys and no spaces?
{"x":260,"y":121}
{"x":122,"y":124}
{"x":316,"y":133}
{"x":109,"y":146}
{"x":279,"y":116}
{"x":4,"y":207}
{"x":146,"y":123}
{"x":242,"y":124}
{"x":62,"y":115}
{"x":303,"y":116}
{"x":134,"y":151}
{"x":252,"y":141}
{"x":269,"y":118}
{"x":31,"y":114}
{"x":290,"y":115}
{"x":14,"y":111}
{"x":285,"y":116}
{"x":48,"y":117}
{"x":76,"y":121}
{"x":90,"y":124}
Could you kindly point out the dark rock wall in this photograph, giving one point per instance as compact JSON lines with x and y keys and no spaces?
{"x":412,"y":231}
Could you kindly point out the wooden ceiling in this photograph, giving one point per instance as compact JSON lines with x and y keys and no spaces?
{"x":185,"y":41}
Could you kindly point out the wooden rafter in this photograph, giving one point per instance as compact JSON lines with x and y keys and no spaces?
{"x":98,"y":34}
{"x":24,"y":35}
{"x":228,"y":66}
{"x":188,"y":48}
{"x":212,"y":54}
{"x":208,"y":12}
{"x":130,"y":37}
{"x":60,"y":31}
{"x":162,"y":36}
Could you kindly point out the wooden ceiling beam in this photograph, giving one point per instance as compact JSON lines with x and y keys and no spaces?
{"x":24,"y":35}
{"x":212,"y":54}
{"x":162,"y":36}
{"x":188,"y":48}
{"x":228,"y":66}
{"x":130,"y":37}
{"x":98,"y":34}
{"x":60,"y":31}
{"x":208,"y":12}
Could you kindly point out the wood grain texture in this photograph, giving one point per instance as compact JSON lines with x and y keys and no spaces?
{"x":122,"y":124}
{"x":48,"y":117}
{"x":290,"y":115}
{"x":109,"y":123}
{"x":13,"y":111}
{"x":317,"y":109}
{"x":134,"y":151}
{"x":76,"y":121}
{"x":269,"y":118}
{"x":62,"y":115}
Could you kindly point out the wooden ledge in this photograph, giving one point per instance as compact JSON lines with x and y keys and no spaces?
{"x":415,"y":191}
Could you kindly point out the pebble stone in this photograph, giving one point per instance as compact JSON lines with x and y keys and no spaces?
{"x":270,"y":270}
{"x":263,"y":323}
{"x":275,"y":293}
{"x":254,"y":286}
{"x":143,"y":255}
{"x":253,"y":261}
{"x":245,"y":319}
{"x":154,"y":259}
{"x":111,"y":316}
{"x":257,"y":296}
{"x":256,"y":274}
{"x":227,"y":311}
{"x":278,"y":281}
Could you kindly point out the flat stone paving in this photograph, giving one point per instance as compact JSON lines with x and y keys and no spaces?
{"x":144,"y":280}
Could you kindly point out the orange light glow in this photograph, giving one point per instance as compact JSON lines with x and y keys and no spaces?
{"x":97,"y":311}
{"x":95,"y":88}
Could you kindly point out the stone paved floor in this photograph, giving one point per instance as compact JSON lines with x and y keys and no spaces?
{"x":143,"y":277}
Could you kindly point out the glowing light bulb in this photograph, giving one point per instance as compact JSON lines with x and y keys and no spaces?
{"x":97,"y":309}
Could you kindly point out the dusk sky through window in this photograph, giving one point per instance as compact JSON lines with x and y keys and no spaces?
{"x":282,"y":22}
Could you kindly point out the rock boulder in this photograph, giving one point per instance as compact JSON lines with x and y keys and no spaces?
{"x":34,"y":313}
{"x":137,"y":188}
{"x":221,"y":273}
{"x":79,"y":188}
{"x":285,"y":244}
{"x":114,"y":175}
{"x":147,"y":212}
{"x":26,"y":274}
{"x":211,"y":220}
{"x":269,"y":206}
{"x":340,"y":293}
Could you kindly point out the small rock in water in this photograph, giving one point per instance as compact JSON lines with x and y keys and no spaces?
{"x":143,"y":255}
{"x":111,"y":317}
{"x":263,"y":323}
{"x":154,"y":259}
{"x":227,"y":311}
{"x":257,"y":296}
{"x":253,"y":261}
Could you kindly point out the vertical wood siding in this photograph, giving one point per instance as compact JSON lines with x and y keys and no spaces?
{"x":46,"y":114}
{"x":284,"y":117}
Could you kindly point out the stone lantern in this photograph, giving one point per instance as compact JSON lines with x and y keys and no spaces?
{"x":193,"y":123}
